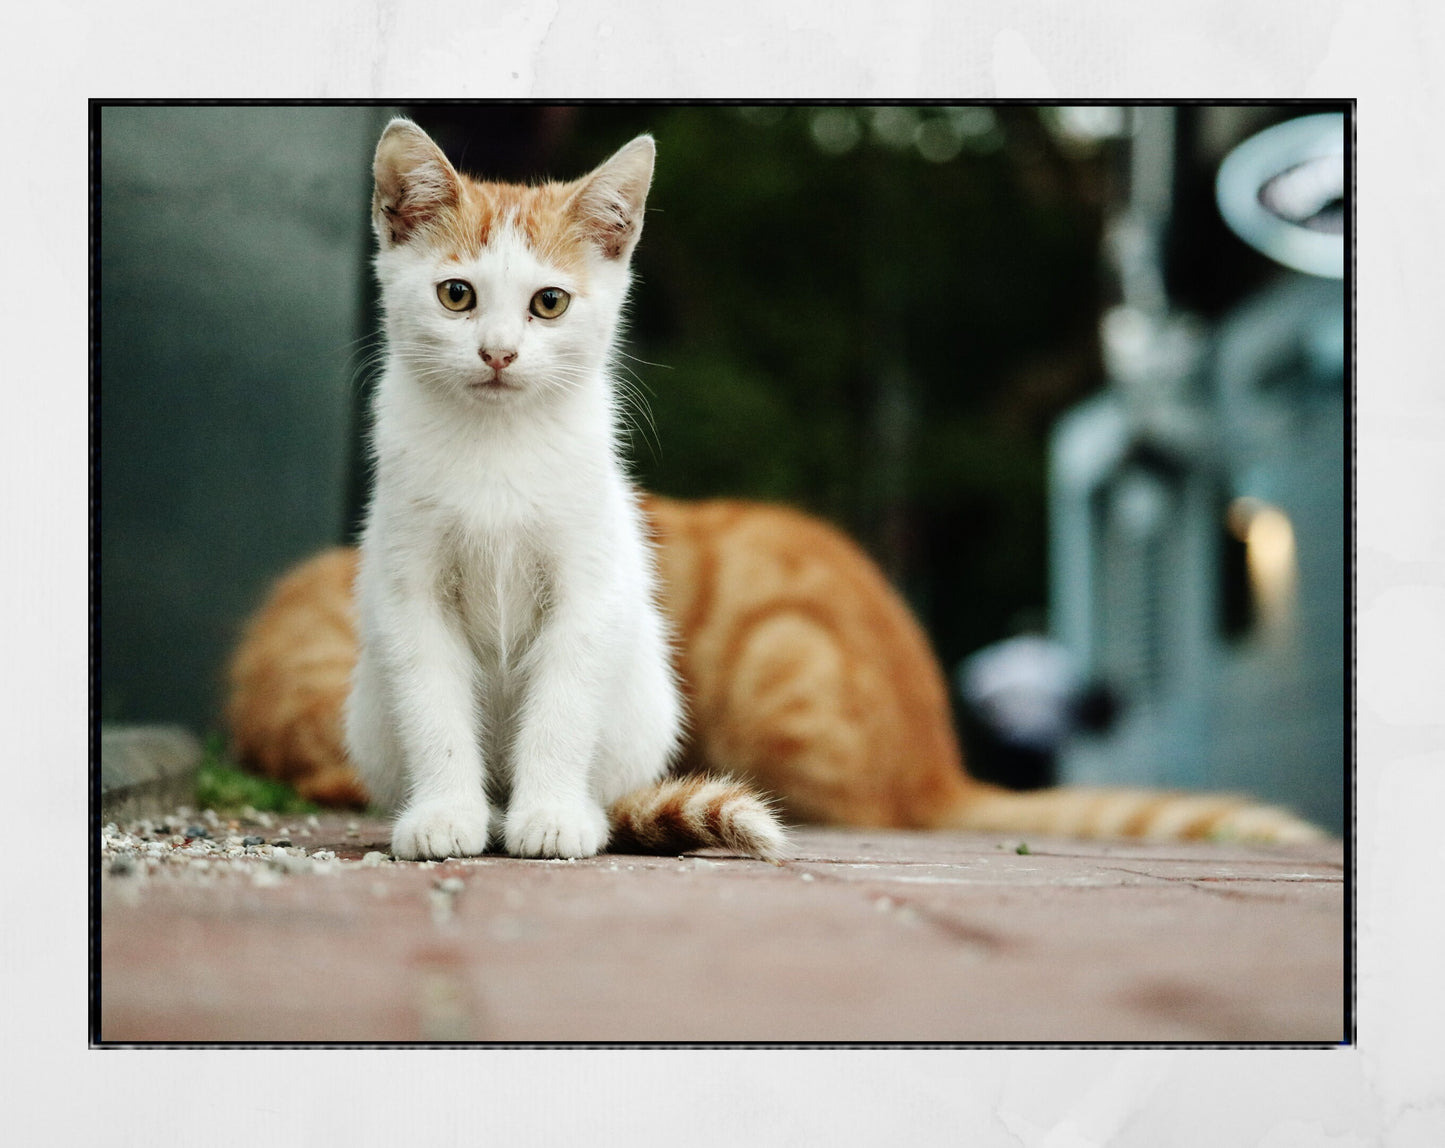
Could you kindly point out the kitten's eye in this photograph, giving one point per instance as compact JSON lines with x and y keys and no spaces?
{"x":457,"y":295}
{"x":549,"y":302}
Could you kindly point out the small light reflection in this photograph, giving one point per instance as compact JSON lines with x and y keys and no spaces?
{"x":1269,"y":543}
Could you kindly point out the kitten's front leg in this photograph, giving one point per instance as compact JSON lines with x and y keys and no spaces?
{"x":429,"y":670}
{"x":552,"y":811}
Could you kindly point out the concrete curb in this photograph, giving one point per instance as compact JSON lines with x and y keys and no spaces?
{"x":146,"y":769}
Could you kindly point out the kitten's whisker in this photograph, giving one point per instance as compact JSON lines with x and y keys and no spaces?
{"x":645,"y":362}
{"x":632,"y":407}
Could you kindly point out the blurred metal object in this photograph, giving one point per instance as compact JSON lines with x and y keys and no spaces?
{"x":1283,"y":192}
{"x":1136,"y":235}
{"x":1210,"y":473}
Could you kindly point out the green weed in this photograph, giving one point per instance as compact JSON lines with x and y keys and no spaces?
{"x":224,"y":786}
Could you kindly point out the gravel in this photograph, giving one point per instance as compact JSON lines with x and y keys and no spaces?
{"x":206,"y":847}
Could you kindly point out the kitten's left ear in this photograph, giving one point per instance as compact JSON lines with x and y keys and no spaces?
{"x":609,"y":202}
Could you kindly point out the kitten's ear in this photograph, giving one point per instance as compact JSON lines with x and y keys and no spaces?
{"x":608,"y":203}
{"x":414,"y":182}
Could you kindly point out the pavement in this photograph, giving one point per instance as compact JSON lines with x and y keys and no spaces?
{"x":863,"y":936}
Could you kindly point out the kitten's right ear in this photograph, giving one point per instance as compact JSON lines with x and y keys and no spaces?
{"x":414,"y":182}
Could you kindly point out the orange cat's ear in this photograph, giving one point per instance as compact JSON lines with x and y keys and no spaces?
{"x":414,"y":182}
{"x":608,"y":203}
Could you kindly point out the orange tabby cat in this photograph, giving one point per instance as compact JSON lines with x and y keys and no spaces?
{"x":804,"y":674}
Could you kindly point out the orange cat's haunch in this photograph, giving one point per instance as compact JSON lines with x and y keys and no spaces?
{"x":803,"y":671}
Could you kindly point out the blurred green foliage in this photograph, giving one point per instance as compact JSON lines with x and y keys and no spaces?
{"x":797,"y":259}
{"x":225,"y":787}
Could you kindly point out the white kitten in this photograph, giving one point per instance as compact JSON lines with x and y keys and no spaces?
{"x":512,"y":654}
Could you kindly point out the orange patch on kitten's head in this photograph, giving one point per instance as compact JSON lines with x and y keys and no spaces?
{"x":539,"y":214}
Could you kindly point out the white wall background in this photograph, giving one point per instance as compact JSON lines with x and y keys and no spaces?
{"x":1390,"y":1090}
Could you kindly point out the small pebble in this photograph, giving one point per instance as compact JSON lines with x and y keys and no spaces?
{"x":374,"y":858}
{"x":196,"y":831}
{"x":253,"y":840}
{"x":293,"y":864}
{"x":282,"y":842}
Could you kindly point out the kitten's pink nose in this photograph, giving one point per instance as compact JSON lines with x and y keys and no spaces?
{"x":497,"y":359}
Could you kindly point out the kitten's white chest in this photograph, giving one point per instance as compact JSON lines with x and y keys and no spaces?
{"x":499,"y":588}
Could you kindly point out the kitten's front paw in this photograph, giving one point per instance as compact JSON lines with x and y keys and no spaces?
{"x":439,"y":829}
{"x":555,"y":830}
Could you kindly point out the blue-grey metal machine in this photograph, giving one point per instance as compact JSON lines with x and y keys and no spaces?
{"x":1197,"y":504}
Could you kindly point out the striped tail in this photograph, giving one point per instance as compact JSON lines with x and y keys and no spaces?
{"x":1141,"y":813}
{"x":684,"y":813}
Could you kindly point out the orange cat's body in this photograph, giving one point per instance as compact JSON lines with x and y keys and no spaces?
{"x":804,"y":673}
{"x":289,"y":679}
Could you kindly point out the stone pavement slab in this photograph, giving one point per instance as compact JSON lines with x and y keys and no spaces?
{"x":863,"y":936}
{"x":145,"y":767}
